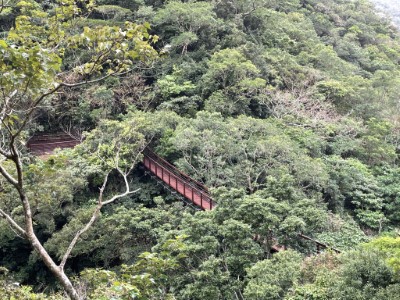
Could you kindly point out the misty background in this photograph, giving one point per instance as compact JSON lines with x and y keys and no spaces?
{"x":391,"y":7}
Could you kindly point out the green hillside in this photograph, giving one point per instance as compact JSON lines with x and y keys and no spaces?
{"x":287,"y":111}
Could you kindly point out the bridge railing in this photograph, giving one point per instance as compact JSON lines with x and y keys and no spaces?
{"x":318,"y":244}
{"x":177,"y":180}
{"x":150,"y":153}
{"x":46,"y":143}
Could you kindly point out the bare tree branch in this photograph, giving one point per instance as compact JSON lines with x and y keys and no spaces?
{"x":3,"y":6}
{"x":7,"y":176}
{"x":96,"y":214}
{"x":12,"y":223}
{"x":33,"y":108}
{"x":36,"y":102}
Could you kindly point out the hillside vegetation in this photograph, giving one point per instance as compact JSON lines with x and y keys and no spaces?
{"x":288,"y":111}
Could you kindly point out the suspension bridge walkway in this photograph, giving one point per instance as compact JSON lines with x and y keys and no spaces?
{"x":43,"y":144}
{"x":195,"y":192}
{"x":191,"y":190}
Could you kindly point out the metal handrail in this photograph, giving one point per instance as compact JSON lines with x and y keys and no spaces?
{"x":201,"y":189}
{"x":185,"y":179}
{"x":204,"y":195}
{"x":318,"y":243}
{"x":173,"y":169}
{"x":54,"y":143}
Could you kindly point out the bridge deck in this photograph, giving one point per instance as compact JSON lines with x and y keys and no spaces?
{"x":180,"y":182}
{"x":183,"y":184}
{"x":46,"y":143}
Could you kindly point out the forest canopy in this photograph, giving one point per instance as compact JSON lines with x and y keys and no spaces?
{"x":287,"y":111}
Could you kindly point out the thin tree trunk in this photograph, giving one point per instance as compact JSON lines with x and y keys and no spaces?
{"x":57,"y":271}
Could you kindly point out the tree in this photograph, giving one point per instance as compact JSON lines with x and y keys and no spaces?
{"x":9,"y":289}
{"x":32,"y":69}
{"x":353,"y":186}
{"x":271,"y":279}
{"x":389,"y":246}
{"x":188,"y":21}
{"x":230,"y":82}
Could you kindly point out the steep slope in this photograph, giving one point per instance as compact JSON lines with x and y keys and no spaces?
{"x":288,"y":111}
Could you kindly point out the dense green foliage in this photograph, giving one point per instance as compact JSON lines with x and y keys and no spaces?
{"x":287,"y":110}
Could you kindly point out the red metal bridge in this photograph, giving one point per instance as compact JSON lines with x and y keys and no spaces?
{"x":44,"y":144}
{"x":194,"y":191}
{"x":191,"y":190}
